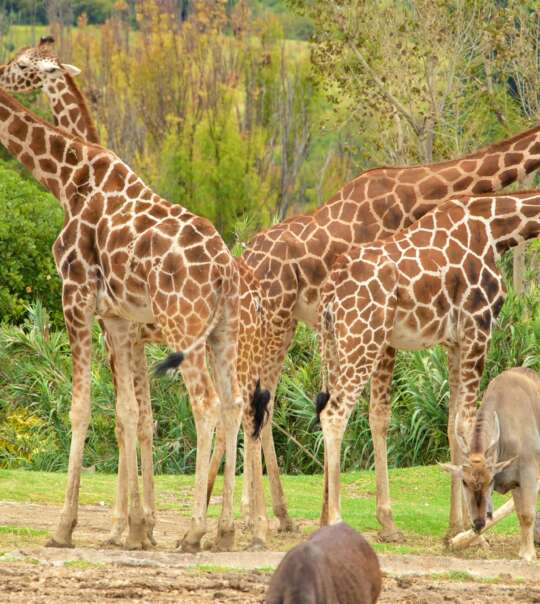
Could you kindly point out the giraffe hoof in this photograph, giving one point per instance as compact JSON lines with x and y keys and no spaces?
{"x":390,"y":536}
{"x":54,"y":543}
{"x":287,"y":525}
{"x":137,"y":544}
{"x":185,"y":547}
{"x":257,"y":545}
{"x":224,"y":541}
{"x":112,"y":541}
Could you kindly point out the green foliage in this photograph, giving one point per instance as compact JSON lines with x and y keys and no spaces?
{"x":35,"y":397}
{"x":29,"y":223}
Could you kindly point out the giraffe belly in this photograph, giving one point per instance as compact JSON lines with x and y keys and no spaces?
{"x":307,"y":311}
{"x":109,"y":307}
{"x":405,"y":338}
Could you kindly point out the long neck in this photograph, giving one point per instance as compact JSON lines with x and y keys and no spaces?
{"x":70,"y":109}
{"x":512,"y":219}
{"x":57,"y":160}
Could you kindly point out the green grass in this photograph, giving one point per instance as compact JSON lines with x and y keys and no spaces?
{"x":420,"y":497}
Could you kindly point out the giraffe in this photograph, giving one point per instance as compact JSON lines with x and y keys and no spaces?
{"x":39,"y":68}
{"x":291,"y":260}
{"x":130,"y":257}
{"x":436,"y":282}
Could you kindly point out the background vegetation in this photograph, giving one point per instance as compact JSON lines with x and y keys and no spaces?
{"x":248,"y":112}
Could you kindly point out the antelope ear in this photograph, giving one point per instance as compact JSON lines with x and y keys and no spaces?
{"x":71,"y":69}
{"x":451,"y":468}
{"x":499,"y":467}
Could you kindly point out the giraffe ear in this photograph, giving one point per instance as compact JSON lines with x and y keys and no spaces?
{"x":71,"y":69}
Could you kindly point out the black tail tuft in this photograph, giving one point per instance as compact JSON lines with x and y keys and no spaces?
{"x":320,"y":403}
{"x":259,"y":405}
{"x":171,"y":362}
{"x":46,"y":40}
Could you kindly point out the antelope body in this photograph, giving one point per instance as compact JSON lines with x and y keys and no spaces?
{"x":503,"y":452}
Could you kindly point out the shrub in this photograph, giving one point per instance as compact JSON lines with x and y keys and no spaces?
{"x":30,"y":221}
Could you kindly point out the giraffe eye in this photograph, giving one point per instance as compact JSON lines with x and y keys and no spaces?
{"x":22,"y":65}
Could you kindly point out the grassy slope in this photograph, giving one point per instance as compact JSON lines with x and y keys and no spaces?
{"x":420,"y":499}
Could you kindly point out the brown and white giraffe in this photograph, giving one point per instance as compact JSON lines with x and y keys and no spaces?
{"x":130,"y":257}
{"x":436,"y":282}
{"x":291,"y":260}
{"x":39,"y":68}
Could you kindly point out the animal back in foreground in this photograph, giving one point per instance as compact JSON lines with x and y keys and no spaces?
{"x":335,"y":565}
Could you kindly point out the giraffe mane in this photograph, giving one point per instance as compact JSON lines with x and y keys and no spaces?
{"x":83,"y":107}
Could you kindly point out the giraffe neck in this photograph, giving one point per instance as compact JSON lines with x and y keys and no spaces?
{"x":509,"y":219}
{"x":70,"y":109}
{"x":517,"y":219}
{"x":56,"y":159}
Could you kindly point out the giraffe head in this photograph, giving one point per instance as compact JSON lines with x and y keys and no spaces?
{"x":478,"y":471}
{"x":34,"y":68}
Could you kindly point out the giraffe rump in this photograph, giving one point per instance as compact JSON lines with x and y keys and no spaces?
{"x":259,"y":406}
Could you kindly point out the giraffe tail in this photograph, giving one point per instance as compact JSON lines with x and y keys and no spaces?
{"x":320,"y":403}
{"x":259,"y":406}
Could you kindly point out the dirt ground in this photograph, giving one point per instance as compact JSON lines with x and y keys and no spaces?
{"x":90,"y":573}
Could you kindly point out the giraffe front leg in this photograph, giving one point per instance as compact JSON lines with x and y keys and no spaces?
{"x":78,"y":322}
{"x":379,"y":421}
{"x":457,"y":506}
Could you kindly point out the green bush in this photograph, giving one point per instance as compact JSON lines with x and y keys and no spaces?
{"x":35,"y":397}
{"x":30,"y":221}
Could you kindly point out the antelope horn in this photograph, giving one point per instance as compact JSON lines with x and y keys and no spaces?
{"x":460,"y":440}
{"x":496,"y":435}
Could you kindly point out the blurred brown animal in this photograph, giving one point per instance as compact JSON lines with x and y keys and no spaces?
{"x":336,"y":565}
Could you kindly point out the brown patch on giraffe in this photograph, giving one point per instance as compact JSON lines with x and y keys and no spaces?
{"x":114,"y":203}
{"x":412,"y":175}
{"x":54,"y":186}
{"x":504,"y":205}
{"x":86,"y":242}
{"x":18,"y":128}
{"x":406,"y":195}
{"x":48,"y":165}
{"x":482,"y":186}
{"x":524,"y":143}
{"x":120,"y":237}
{"x":426,"y":289}
{"x":503,"y":226}
{"x":116,"y":181}
{"x":468,"y":165}
{"x":508,"y":176}
{"x":512,"y":158}
{"x":57,"y":147}
{"x":433,"y":188}
{"x":455,"y":284}
{"x":14,"y":147}
{"x":473,"y":267}
{"x":379,"y":185}
{"x":118,"y":263}
{"x":134,"y":189}
{"x":27,"y":160}
{"x":425,"y":314}
{"x":100,"y":166}
{"x":38,"y":143}
{"x":463,"y":184}
{"x":489,"y":166}
{"x":531,"y":164}
{"x":144,"y":222}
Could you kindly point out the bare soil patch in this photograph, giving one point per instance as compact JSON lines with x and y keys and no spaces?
{"x":90,"y":573}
